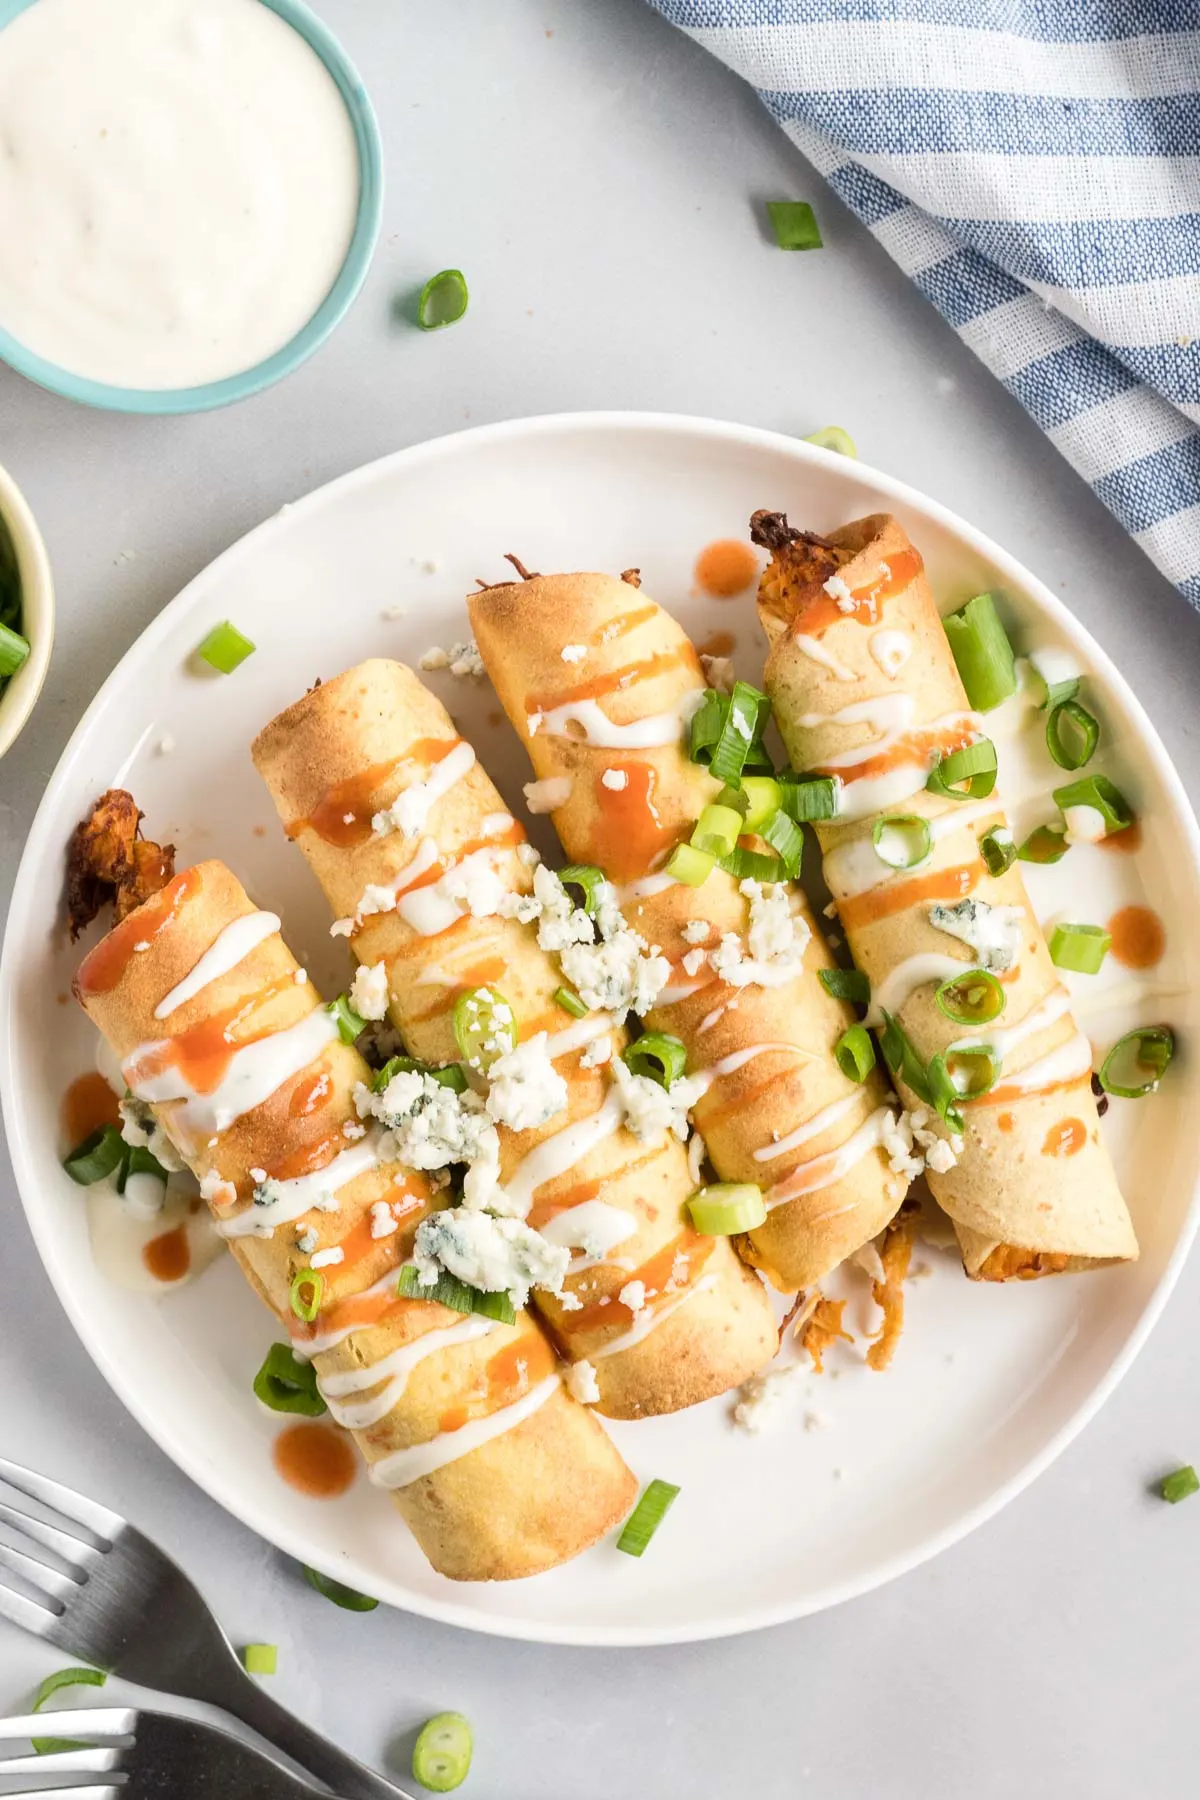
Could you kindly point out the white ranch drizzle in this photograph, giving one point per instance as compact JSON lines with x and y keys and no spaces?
{"x":645,"y":887}
{"x":862,"y":795}
{"x":579,"y":1035}
{"x":602,"y":733}
{"x":856,"y":868}
{"x":414,"y":804}
{"x":650,"y":1319}
{"x":1003,"y":1039}
{"x":254,"y":1073}
{"x":403,"y":1467}
{"x":889,"y":715}
{"x":817,"y":652}
{"x":823,"y":1171}
{"x":435,"y":908}
{"x":300,"y":1195}
{"x":394,"y":1370}
{"x":230,"y":947}
{"x":821,"y":1121}
{"x":737,"y":1059}
{"x":556,"y":1154}
{"x":902,"y":982}
{"x":891,"y":650}
{"x":679,"y":990}
{"x":1069,"y":1062}
{"x":594,"y":1222}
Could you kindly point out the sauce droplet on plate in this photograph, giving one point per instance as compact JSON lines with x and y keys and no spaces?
{"x":718,"y":643}
{"x":315,"y":1460}
{"x":169,"y":1255}
{"x":1138,"y":938}
{"x":726,"y":568}
{"x":88,"y":1105}
{"x":1126,"y":841}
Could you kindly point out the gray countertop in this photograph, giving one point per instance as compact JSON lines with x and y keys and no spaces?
{"x":598,"y":178}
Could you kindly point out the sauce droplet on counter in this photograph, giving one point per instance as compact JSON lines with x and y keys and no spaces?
{"x":726,"y":568}
{"x":102,"y":968}
{"x":1066,"y":1138}
{"x":1138,"y":938}
{"x":88,"y":1105}
{"x":169,"y":1255}
{"x":315,"y":1460}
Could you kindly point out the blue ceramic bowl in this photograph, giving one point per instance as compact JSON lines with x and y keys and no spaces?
{"x":337,"y":300}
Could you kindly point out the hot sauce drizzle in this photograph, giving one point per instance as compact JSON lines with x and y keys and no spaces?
{"x":203,"y":1053}
{"x":620,"y":626}
{"x":663,"y":1267}
{"x":883,"y":902}
{"x":343,"y":814}
{"x":103,"y":967}
{"x":505,"y":1377}
{"x":1066,"y":1138}
{"x":823,"y":610}
{"x":634,"y":832}
{"x":615,"y":680}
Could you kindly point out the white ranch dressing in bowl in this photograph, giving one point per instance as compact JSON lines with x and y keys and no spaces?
{"x":179,"y":185}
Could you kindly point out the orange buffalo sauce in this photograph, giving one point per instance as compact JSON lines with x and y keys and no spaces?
{"x":480,"y":974}
{"x":309,"y":1094}
{"x":718,"y":643}
{"x":654,"y":1274}
{"x":823,"y":610}
{"x":749,"y":1096}
{"x":506,"y":1376}
{"x":920,"y":745}
{"x":1005,"y":1122}
{"x":317,"y":1460}
{"x":621,"y":626}
{"x":633,"y":833}
{"x":1066,"y":1138}
{"x":1126,"y":841}
{"x":614,"y":680}
{"x":1010,"y":1091}
{"x":103,"y":967}
{"x":726,"y":568}
{"x":306,"y":1159}
{"x":204,"y":1053}
{"x":343,"y":814}
{"x":88,"y":1105}
{"x":408,"y":1204}
{"x":169,"y":1255}
{"x":357,"y":1312}
{"x":897,"y":896}
{"x":1138,"y":937}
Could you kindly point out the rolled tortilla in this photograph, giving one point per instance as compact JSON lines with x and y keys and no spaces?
{"x":865,"y":688}
{"x":375,"y":739}
{"x":496,"y":1469}
{"x":604,"y":730}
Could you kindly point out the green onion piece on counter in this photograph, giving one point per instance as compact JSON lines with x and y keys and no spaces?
{"x":350,"y":1024}
{"x":785,"y":837}
{"x":998,"y":850}
{"x":832,"y":437}
{"x":1049,"y":692}
{"x":225,"y":649}
{"x":646,"y":1517}
{"x":139,"y":1161}
{"x":260,"y":1659}
{"x":13,"y":651}
{"x":808,"y":801}
{"x":441,"y":1755}
{"x":657,"y":1055}
{"x":1072,"y":733}
{"x":484,"y":1027}
{"x":287,"y":1385}
{"x":708,"y":722}
{"x":974,"y":764}
{"x":570,"y":1002}
{"x":969,"y":1073}
{"x":744,"y":724}
{"x":450,"y":1074}
{"x":307,"y":1289}
{"x":589,"y":880}
{"x":727,"y":1207}
{"x":348,"y":1598}
{"x":855,"y":1053}
{"x":846,"y":984}
{"x":752,"y":865}
{"x":689,"y":865}
{"x":763,"y":796}
{"x":717,"y":830}
{"x":1137,"y":1062}
{"x":1180,"y":1485}
{"x":974,"y":998}
{"x":1099,"y":792}
{"x":1082,"y":948}
{"x":449,"y":1291}
{"x":902,"y":1059}
{"x":982,"y":653}
{"x":903,"y":841}
{"x":54,"y":1684}
{"x":443,"y":300}
{"x":1045,"y":844}
{"x":795,"y":224}
{"x":97,"y":1157}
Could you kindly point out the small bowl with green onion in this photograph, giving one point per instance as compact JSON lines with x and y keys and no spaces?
{"x":26,"y":611}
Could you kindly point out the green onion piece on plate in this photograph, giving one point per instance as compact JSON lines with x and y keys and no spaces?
{"x":973,"y":998}
{"x":570,"y":1002}
{"x":443,"y":300}
{"x":902,"y":841}
{"x":1050,"y":678}
{"x":982,"y":653}
{"x":690,"y":866}
{"x":752,"y":865}
{"x":449,"y":1291}
{"x":902,"y":1059}
{"x":13,"y":651}
{"x":484,"y":1027}
{"x":1072,"y":733}
{"x":589,"y":880}
{"x":1082,"y":948}
{"x":808,"y":801}
{"x":708,"y":722}
{"x":832,"y":437}
{"x":658,"y":1056}
{"x":287,"y":1385}
{"x":855,"y":1053}
{"x":726,"y":1207}
{"x":54,"y":1684}
{"x":348,"y":1598}
{"x":1099,"y":792}
{"x":139,"y":1161}
{"x":795,"y":224}
{"x":717,"y":830}
{"x":974,"y":764}
{"x":646,"y":1517}
{"x":846,"y":984}
{"x":786,"y":838}
{"x":1045,"y":844}
{"x":350,"y":1024}
{"x":260,"y":1659}
{"x":998,"y":850}
{"x":97,"y":1157}
{"x":449,"y":1075}
{"x":745,"y":721}
{"x":1137,"y":1062}
{"x":305,"y":1293}
{"x":225,"y":649}
{"x":763,"y":797}
{"x":1180,"y":1485}
{"x":442,"y":1753}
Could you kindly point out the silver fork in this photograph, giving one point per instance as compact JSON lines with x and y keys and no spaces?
{"x":137,"y":1755}
{"x":121,"y":1604}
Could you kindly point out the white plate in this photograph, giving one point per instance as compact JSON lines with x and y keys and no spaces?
{"x":989,"y":1383}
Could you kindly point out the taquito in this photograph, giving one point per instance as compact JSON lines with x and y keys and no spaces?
{"x":865,"y":689}
{"x":602,"y":721}
{"x":497,"y":1470}
{"x":389,"y":804}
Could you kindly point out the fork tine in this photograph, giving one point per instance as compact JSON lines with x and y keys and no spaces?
{"x":38,"y":1574}
{"x":72,"y":1721}
{"x":73,"y":1506}
{"x":109,"y":1792}
{"x":87,"y":1760}
{"x":28,"y":1614}
{"x":70,"y":1549}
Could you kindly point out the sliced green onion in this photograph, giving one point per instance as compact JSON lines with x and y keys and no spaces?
{"x":484,"y":1027}
{"x":350,"y":1024}
{"x":646,"y":1517}
{"x":903,"y":841}
{"x":717,"y":830}
{"x":287,"y":1385}
{"x":846,"y":984}
{"x":138,"y":1160}
{"x":982,"y":653}
{"x":855,"y":1053}
{"x":1082,"y":948}
{"x":902,"y":1059}
{"x":1099,"y":792}
{"x":348,"y":1598}
{"x":443,"y":300}
{"x":832,"y":437}
{"x":943,"y":1094}
{"x":97,"y":1156}
{"x":442,"y":1753}
{"x":763,"y":797}
{"x":225,"y":649}
{"x":1072,"y":733}
{"x":757,"y":761}
{"x":260,"y":1659}
{"x":785,"y":837}
{"x":726,"y":1207}
{"x":1050,"y":694}
{"x":744,"y":723}
{"x":689,"y":865}
{"x":657,"y":1055}
{"x":752,"y":865}
{"x":54,"y":1684}
{"x":974,"y":764}
{"x":570,"y":1002}
{"x":970,"y":1073}
{"x":795,"y":224}
{"x":708,"y":722}
{"x":449,"y":1291}
{"x":975,"y":998}
{"x":1180,"y":1485}
{"x":450,"y":1074}
{"x":13,"y":651}
{"x":308,"y":1286}
{"x":1045,"y":844}
{"x":1137,"y":1062}
{"x":998,"y":850}
{"x":588,"y":879}
{"x":811,"y":800}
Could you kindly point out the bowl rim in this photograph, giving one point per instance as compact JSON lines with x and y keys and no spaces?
{"x":19,"y":695}
{"x":368,"y":146}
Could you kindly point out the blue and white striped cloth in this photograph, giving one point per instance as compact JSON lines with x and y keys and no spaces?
{"x":1034,"y":166}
